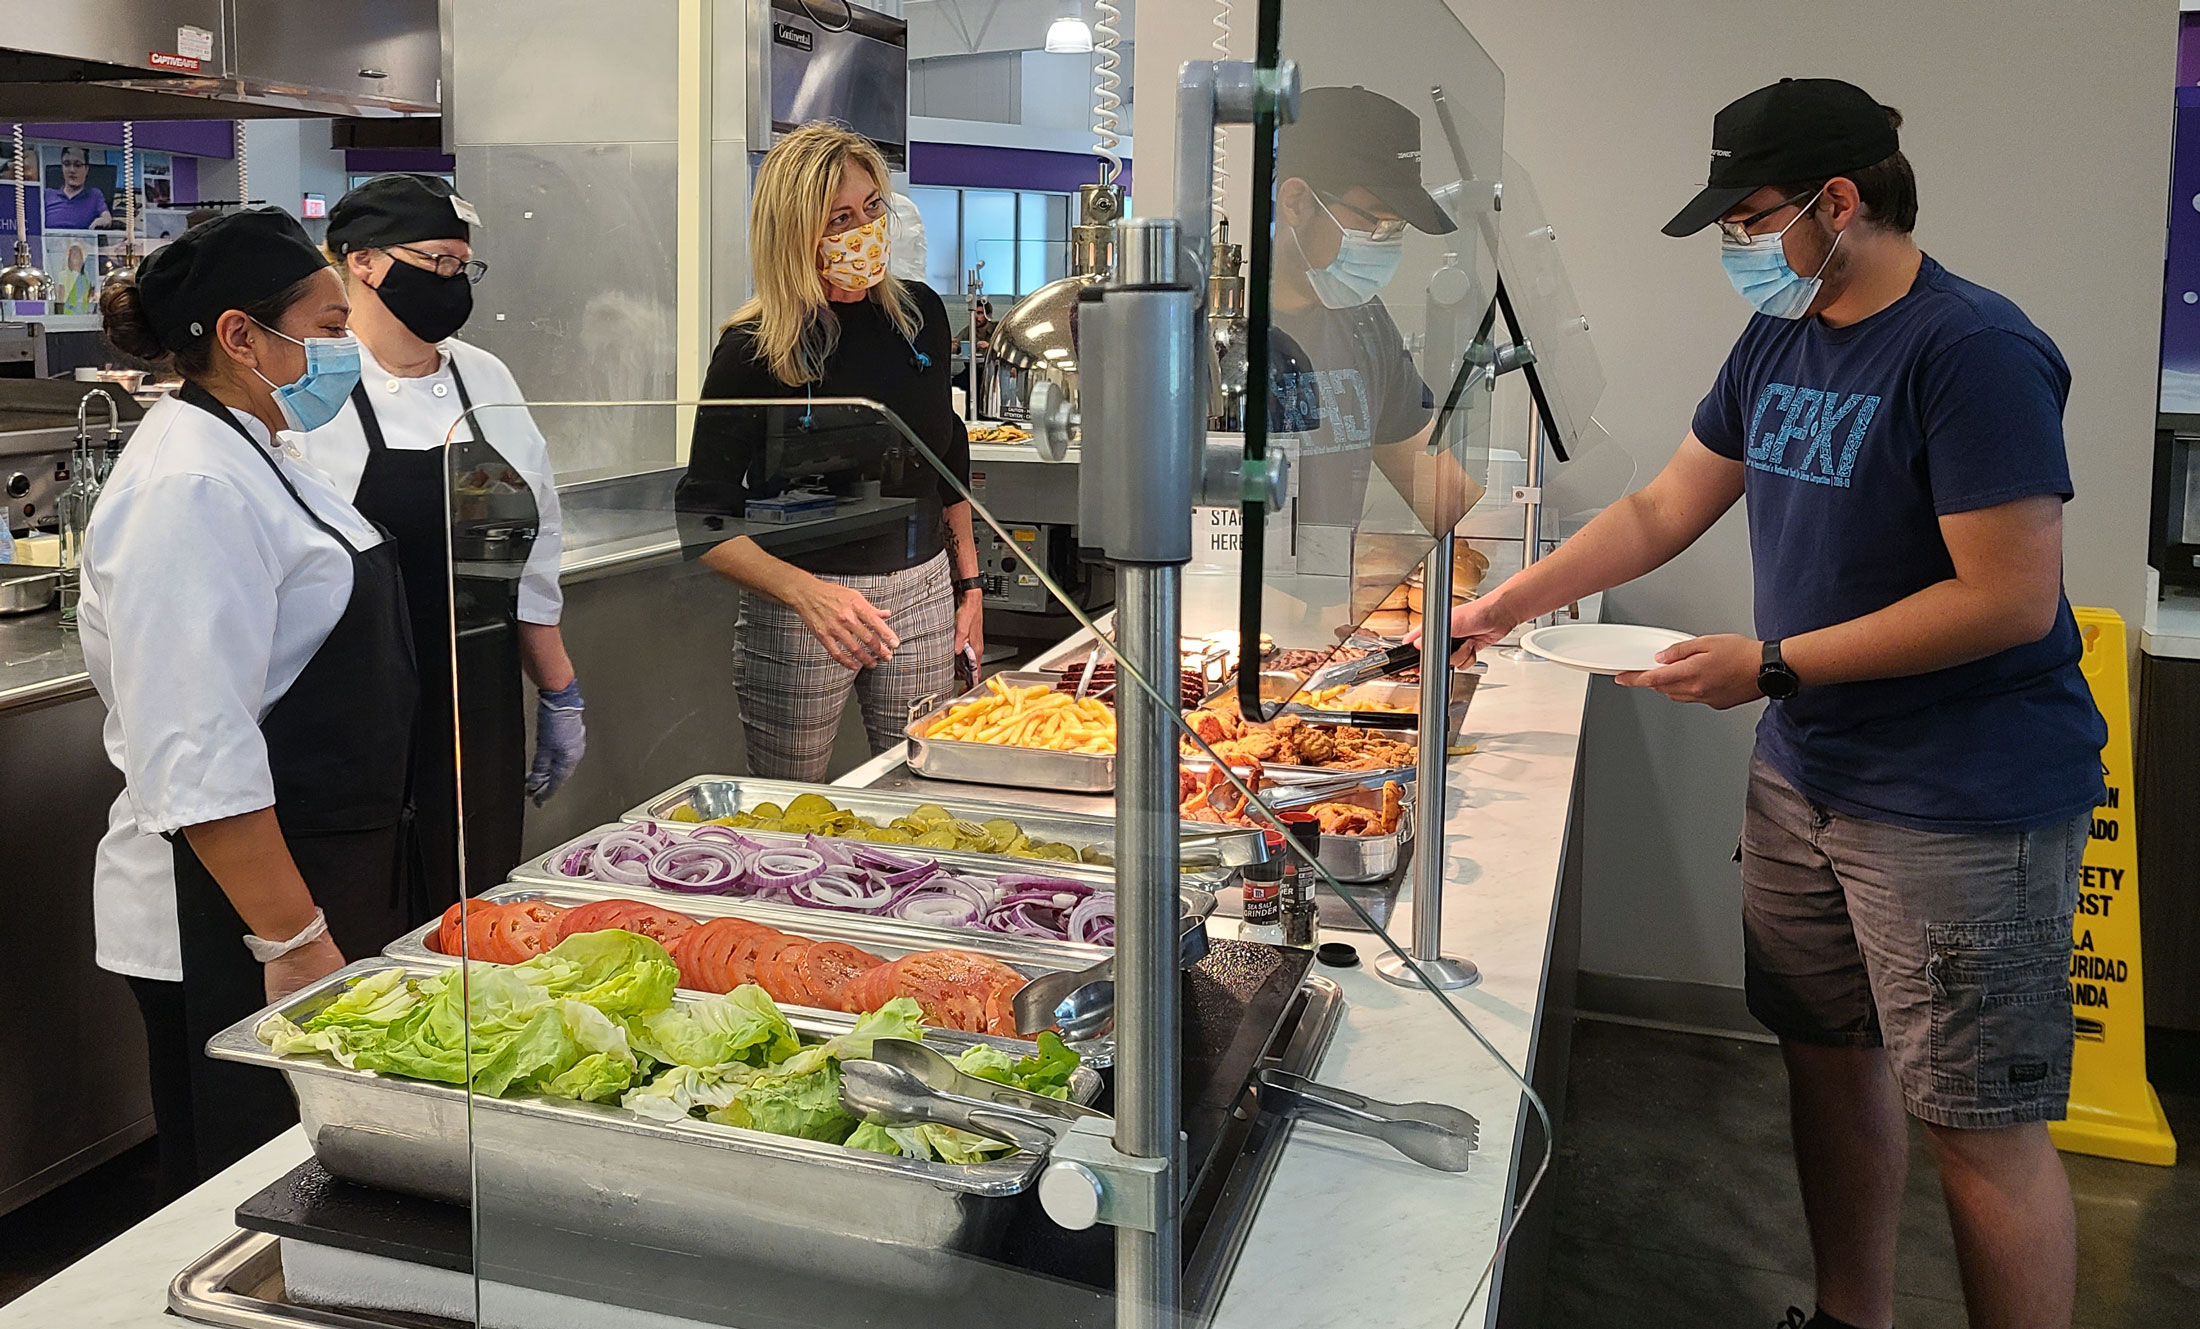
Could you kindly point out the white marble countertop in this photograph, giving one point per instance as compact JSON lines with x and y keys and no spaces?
{"x":1350,"y":1233}
{"x":2172,"y":627}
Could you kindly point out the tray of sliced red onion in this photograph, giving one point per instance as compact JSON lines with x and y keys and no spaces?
{"x":944,"y":894}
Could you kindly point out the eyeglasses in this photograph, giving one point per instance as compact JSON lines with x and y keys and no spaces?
{"x":839,"y":222}
{"x":447,"y":265}
{"x":1737,"y":232}
{"x":1381,"y":228}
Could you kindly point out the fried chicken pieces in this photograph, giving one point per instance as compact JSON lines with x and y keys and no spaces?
{"x":1291,"y":741}
{"x":1207,"y":795}
{"x":1351,"y":819}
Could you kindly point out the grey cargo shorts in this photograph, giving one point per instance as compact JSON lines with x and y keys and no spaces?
{"x":1952,"y":951}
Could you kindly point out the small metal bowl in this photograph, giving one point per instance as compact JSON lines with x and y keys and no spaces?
{"x":22,"y":593}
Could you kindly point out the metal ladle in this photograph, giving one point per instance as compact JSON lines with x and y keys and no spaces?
{"x":1081,"y":1003}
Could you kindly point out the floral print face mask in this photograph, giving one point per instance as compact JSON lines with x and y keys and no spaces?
{"x":855,"y":259}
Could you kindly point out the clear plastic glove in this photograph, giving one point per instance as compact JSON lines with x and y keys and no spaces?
{"x":561,"y":736}
{"x":315,"y":960}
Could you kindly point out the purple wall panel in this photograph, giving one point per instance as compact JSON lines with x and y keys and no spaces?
{"x":972,"y":166}
{"x":184,"y":179}
{"x":197,"y":138}
{"x":2188,"y":50}
{"x":374,"y":161}
{"x":2181,"y":277}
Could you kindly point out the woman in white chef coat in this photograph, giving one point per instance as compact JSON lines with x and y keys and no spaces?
{"x":246,"y":628}
{"x":401,"y":243}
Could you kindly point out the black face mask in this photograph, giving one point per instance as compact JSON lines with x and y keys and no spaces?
{"x":430,"y":307}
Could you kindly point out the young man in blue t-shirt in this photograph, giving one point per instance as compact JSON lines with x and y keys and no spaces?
{"x":1924,"y":774}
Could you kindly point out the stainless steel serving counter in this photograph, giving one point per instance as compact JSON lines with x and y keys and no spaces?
{"x":1419,"y":1238}
{"x":1511,"y":867}
{"x":53,"y":807}
{"x":611,"y":527}
{"x":39,"y":663}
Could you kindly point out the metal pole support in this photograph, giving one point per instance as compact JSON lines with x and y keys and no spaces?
{"x":1148,"y":1073}
{"x":1530,"y":495}
{"x":1429,"y":965}
{"x":1143,"y":414}
{"x":1143,"y":410}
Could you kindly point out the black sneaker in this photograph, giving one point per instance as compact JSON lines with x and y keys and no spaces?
{"x":1797,"y":1320}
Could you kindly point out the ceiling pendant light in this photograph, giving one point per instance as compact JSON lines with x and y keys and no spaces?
{"x":1069,"y":35}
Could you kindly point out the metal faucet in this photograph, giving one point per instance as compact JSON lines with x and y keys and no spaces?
{"x":105,"y":461}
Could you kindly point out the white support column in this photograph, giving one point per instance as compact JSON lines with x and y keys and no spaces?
{"x":692,"y":319}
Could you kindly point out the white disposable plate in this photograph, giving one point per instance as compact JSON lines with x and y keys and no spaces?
{"x":1602,"y":648}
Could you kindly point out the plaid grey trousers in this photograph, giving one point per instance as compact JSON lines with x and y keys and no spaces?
{"x":792,"y":693}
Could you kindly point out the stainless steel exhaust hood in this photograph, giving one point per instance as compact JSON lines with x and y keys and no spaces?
{"x":81,"y":60}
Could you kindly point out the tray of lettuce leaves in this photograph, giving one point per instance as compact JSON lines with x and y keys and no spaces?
{"x":581,"y":1088}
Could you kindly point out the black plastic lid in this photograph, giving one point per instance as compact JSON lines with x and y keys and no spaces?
{"x":1337,"y":954}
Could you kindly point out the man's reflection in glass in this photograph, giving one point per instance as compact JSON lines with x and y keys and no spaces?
{"x":1348,"y":188}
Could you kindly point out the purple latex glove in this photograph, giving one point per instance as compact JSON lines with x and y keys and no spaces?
{"x":561,"y":736}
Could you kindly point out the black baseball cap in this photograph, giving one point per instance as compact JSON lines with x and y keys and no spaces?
{"x":1798,"y":129}
{"x":235,"y":260}
{"x":1351,"y":136}
{"x":398,"y":209}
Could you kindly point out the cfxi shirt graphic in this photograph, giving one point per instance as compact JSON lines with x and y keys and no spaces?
{"x":1810,"y":434}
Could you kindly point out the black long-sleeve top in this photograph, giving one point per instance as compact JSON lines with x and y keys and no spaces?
{"x":740,"y":453}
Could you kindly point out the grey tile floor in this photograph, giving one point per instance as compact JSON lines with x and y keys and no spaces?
{"x":1677,"y":1209}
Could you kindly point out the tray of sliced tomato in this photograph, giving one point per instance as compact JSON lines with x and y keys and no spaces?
{"x":831,"y":962}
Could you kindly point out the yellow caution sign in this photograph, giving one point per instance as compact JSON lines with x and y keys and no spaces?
{"x":2113,"y":1110}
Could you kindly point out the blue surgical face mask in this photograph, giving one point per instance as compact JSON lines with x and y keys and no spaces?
{"x":318,"y":395}
{"x":1760,"y":273}
{"x":1363,"y":266}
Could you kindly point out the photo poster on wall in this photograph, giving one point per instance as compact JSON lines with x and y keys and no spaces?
{"x":85,"y":188}
{"x":2180,"y":392}
{"x":72,"y":260}
{"x":81,"y":189}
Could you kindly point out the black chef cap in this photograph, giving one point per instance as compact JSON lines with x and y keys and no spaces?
{"x":1350,"y":136}
{"x":399,"y":209}
{"x":231,"y":262}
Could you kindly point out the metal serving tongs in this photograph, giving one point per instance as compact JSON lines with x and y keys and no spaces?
{"x":938,"y":1073}
{"x":890,"y":1096}
{"x":1377,"y":664}
{"x":1081,"y":1003}
{"x":1084,"y":676}
{"x":1432,"y":1134}
{"x":1300,"y":793}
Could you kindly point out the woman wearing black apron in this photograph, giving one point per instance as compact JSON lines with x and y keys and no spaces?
{"x":415,"y":455}
{"x":247,"y":630}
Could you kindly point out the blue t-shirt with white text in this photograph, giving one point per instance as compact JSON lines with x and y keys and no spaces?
{"x":1856,"y":441}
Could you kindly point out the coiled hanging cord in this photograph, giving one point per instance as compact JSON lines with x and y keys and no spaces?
{"x":131,"y":190}
{"x":244,"y":179}
{"x":1222,"y":52}
{"x":22,"y":226}
{"x":1105,"y":79}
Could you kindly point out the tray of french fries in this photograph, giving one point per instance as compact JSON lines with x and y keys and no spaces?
{"x":1016,"y":729}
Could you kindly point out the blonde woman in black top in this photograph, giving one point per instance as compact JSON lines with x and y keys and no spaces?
{"x":886,"y":609}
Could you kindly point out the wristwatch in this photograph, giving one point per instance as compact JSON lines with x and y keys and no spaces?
{"x":1774,"y":678}
{"x":965,"y":585}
